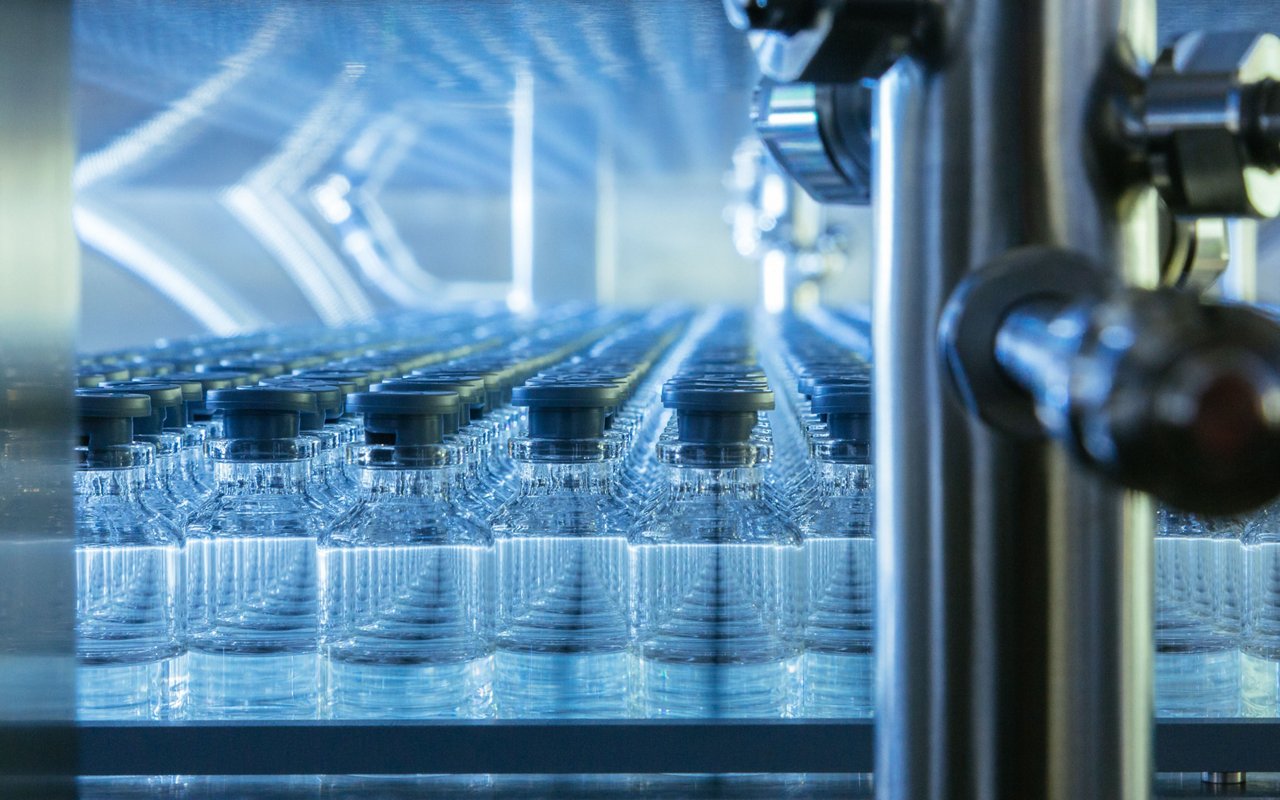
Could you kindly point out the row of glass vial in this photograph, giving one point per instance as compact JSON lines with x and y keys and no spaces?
{"x":129,"y":595}
{"x":1218,"y":614}
{"x":567,"y":613}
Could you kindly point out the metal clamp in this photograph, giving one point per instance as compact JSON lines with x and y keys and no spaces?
{"x":972,"y":319}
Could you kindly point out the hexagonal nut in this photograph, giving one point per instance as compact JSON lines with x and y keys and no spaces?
{"x":1197,"y":99}
{"x":1195,"y":251}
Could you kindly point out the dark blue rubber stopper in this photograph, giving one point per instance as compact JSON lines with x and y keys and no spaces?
{"x":339,"y":376}
{"x":405,"y":418}
{"x":329,"y":404}
{"x":462,"y":415}
{"x":105,"y":417}
{"x":716,"y":415}
{"x":166,"y":405}
{"x":196,"y":409}
{"x":261,"y":413}
{"x":847,"y":412}
{"x":476,"y":404}
{"x":566,"y":410}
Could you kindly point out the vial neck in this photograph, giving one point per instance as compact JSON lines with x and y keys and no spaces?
{"x":326,"y":439}
{"x":261,"y":477}
{"x":837,"y":479}
{"x":525,"y":450}
{"x":166,"y":444}
{"x":743,"y":483}
{"x":126,"y":483}
{"x":546,"y":478}
{"x":431,"y":483}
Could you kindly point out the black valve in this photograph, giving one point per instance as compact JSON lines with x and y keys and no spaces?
{"x":1159,"y":390}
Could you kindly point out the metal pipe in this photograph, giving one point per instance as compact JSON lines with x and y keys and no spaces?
{"x":1014,"y":633}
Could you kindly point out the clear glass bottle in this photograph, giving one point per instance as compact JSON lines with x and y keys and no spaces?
{"x":715,"y":616}
{"x":467,"y":431}
{"x":188,"y":477}
{"x":253,"y":618}
{"x":201,"y":426}
{"x":164,"y":491}
{"x":407,"y":594}
{"x":493,"y":424}
{"x":1198,"y":671}
{"x":1260,"y":634}
{"x":838,"y":666}
{"x":561,"y":542}
{"x":328,"y":484}
{"x":129,"y":637}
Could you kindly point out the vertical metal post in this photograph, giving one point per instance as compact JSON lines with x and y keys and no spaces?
{"x":39,"y":297}
{"x":1014,"y":631}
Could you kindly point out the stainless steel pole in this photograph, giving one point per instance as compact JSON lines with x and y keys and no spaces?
{"x":1014,"y":631}
{"x":39,"y":297}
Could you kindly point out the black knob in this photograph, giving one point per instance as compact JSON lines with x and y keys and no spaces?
{"x":1159,"y":390}
{"x":1184,"y":404}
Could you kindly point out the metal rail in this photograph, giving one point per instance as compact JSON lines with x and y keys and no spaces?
{"x":598,"y":747}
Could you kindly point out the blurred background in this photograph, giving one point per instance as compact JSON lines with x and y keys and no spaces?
{"x":249,"y":164}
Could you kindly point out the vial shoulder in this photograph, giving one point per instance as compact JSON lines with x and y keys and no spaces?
{"x":257,"y":515}
{"x":707,"y":521}
{"x":585,"y":515}
{"x":123,"y":524}
{"x":405,"y":523}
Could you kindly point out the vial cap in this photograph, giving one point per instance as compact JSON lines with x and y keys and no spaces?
{"x":167,"y":409}
{"x":105,"y":417}
{"x":262,"y":412}
{"x":405,"y":418}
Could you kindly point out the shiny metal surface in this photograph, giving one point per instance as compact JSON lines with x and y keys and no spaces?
{"x":1239,"y":281}
{"x":1014,"y":626}
{"x":821,"y":134}
{"x":832,"y":41}
{"x":1199,"y":252}
{"x":38,"y":300}
{"x":1207,"y":124}
{"x":1161,"y":392}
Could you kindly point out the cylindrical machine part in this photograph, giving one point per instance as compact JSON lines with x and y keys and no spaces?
{"x":1158,"y":390}
{"x":1013,"y":640}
